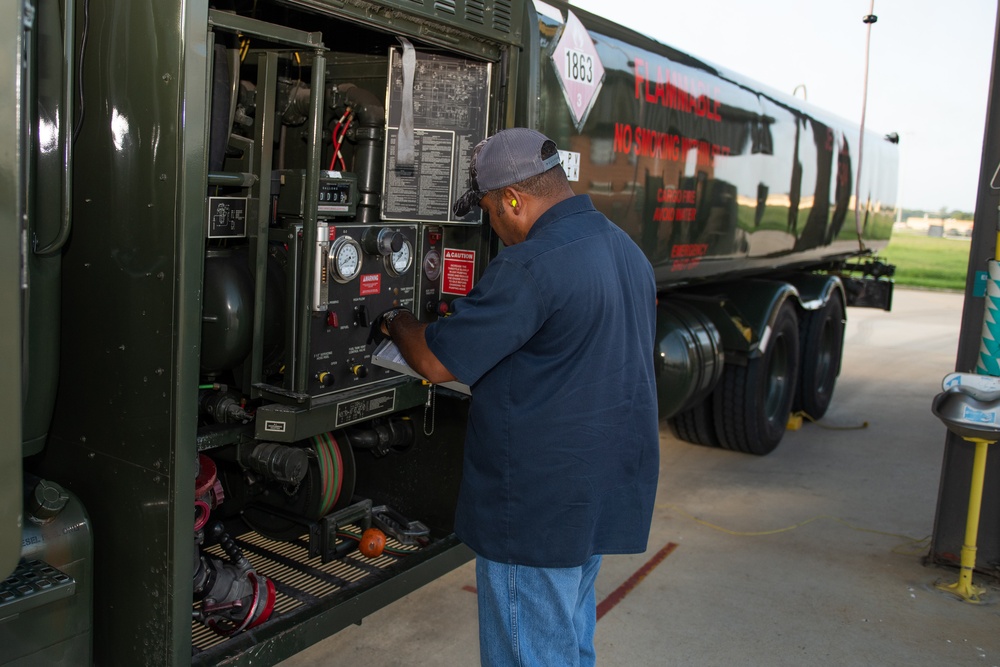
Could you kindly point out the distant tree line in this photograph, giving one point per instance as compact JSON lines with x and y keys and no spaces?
{"x":943,"y":213}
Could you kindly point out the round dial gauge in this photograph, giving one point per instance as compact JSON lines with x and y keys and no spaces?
{"x":432,"y":264}
{"x":399,"y":261}
{"x":345,"y":259}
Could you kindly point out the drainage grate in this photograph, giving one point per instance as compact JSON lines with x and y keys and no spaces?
{"x":298,"y":579}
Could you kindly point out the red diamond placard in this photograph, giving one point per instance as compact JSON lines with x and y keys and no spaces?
{"x":580,"y":70}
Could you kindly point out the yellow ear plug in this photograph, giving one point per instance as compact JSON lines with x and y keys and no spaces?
{"x":513,"y":202}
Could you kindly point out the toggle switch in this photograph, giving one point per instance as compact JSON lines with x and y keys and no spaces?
{"x":361,"y":316}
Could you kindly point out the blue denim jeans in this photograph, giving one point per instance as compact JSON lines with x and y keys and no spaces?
{"x":536,"y":616}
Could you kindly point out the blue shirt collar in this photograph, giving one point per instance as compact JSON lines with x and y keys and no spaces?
{"x":571,"y":206}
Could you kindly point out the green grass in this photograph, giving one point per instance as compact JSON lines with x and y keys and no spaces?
{"x":923,"y":261}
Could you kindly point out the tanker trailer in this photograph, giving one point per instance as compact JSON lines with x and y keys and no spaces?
{"x":742,"y":198}
{"x":251,"y":183}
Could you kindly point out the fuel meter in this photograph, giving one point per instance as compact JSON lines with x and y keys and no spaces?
{"x":337,"y":196}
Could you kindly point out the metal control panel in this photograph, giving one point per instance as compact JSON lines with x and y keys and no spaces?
{"x":449,"y":264}
{"x":431,"y":305}
{"x":360,"y":272}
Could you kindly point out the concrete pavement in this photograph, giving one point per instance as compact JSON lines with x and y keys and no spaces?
{"x":811,"y":555}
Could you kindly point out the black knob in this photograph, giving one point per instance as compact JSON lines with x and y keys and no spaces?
{"x":395,"y":241}
{"x":382,"y":241}
{"x":47,"y":501}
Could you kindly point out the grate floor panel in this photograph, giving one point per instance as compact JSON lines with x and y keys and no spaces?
{"x":298,"y":579}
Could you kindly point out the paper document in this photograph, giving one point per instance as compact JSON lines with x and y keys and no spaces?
{"x":387,"y":355}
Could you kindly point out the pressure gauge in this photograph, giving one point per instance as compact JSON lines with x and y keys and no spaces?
{"x":432,"y":264}
{"x":398,"y":262}
{"x":345,"y":259}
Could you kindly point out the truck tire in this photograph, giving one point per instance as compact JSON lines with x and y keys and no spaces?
{"x":822,"y":343}
{"x":752,"y":402}
{"x":695,"y":425}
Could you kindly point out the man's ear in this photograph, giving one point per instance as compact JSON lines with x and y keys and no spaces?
{"x":512,"y":197}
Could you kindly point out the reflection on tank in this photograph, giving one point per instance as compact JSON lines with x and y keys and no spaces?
{"x":705,"y":168}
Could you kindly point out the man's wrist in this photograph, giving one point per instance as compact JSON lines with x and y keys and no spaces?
{"x":391,"y":315}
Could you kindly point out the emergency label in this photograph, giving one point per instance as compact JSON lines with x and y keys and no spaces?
{"x":687,"y":255}
{"x":459,"y":266}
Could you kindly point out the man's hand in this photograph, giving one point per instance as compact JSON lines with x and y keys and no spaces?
{"x":379,"y":330}
{"x":408,"y":335}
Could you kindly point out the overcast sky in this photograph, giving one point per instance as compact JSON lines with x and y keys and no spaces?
{"x":928,"y":79}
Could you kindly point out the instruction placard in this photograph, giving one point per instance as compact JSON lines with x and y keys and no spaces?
{"x":458,"y":269}
{"x":445,"y":100}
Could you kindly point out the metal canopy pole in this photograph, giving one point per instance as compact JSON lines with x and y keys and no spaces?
{"x":953,"y":493}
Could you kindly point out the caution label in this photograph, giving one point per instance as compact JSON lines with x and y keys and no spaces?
{"x":458,"y":269}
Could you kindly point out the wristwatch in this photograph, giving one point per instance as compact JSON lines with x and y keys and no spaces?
{"x":390,"y":315}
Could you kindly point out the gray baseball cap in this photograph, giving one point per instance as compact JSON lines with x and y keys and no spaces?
{"x":508,"y":157}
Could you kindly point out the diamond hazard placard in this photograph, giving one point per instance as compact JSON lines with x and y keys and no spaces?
{"x":580,"y":70}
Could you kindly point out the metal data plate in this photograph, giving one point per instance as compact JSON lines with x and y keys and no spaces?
{"x":227,"y":217}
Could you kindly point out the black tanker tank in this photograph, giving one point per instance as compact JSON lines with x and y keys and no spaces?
{"x":712,"y":174}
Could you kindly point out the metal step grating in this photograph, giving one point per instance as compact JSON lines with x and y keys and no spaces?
{"x":298,"y":579}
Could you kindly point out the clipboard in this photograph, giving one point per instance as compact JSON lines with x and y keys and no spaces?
{"x":387,"y":355}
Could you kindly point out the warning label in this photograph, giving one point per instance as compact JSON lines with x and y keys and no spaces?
{"x":459,"y":266}
{"x":371,"y":284}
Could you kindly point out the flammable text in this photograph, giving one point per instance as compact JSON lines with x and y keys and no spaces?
{"x":676,"y":90}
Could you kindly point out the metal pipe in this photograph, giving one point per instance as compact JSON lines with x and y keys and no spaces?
{"x":267,"y":74}
{"x":370,"y":113}
{"x":309,"y":220}
{"x":240,"y":179}
{"x":964,"y":588}
{"x":868,"y":19}
{"x":278,"y":33}
{"x":65,"y":135}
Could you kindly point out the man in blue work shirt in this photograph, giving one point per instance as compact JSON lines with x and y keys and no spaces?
{"x":562,"y":449}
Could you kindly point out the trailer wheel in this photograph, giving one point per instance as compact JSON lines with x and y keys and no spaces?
{"x":695,"y":425}
{"x":752,"y":403}
{"x":822,"y":345}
